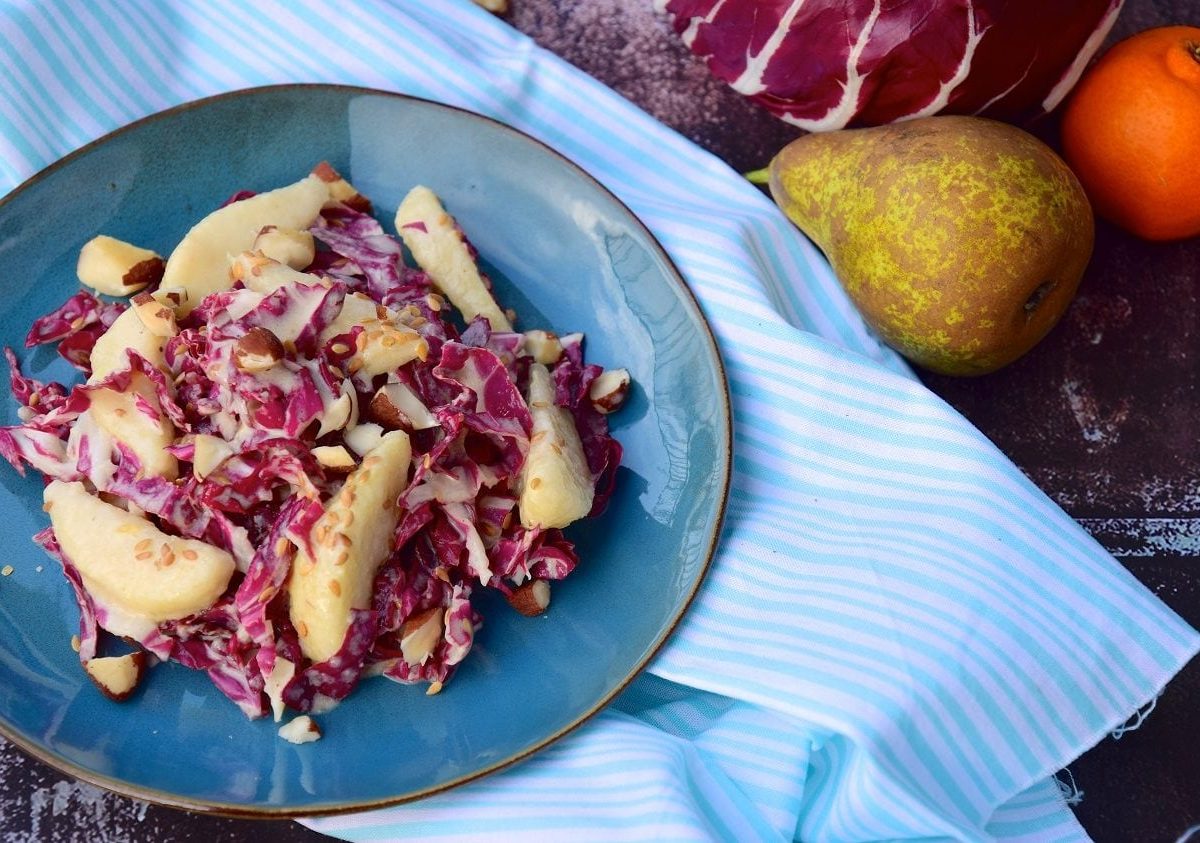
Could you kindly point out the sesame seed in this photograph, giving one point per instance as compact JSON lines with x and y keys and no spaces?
{"x":342,"y":558}
{"x":348,"y":520}
{"x":142,"y":557}
{"x":360,"y":341}
{"x":190,"y":554}
{"x":281,"y":547}
{"x":76,"y":643}
{"x":388,"y":341}
{"x":47,"y":506}
{"x":354,"y":365}
{"x":7,"y":570}
{"x":339,"y":348}
{"x":167,"y":559}
{"x":335,"y":588}
{"x":144,"y":544}
{"x":302,"y":628}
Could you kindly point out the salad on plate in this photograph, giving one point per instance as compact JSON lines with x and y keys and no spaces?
{"x":296,"y":456}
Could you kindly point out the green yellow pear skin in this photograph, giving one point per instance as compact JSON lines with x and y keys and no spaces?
{"x":961,"y":240}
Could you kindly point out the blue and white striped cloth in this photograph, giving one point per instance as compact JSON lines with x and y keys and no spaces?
{"x":901,"y":637}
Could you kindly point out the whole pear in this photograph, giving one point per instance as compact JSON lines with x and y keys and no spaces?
{"x":961,"y":240}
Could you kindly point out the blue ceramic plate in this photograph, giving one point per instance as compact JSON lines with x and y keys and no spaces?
{"x":567,"y":256}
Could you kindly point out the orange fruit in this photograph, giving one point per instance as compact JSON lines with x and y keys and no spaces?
{"x":1131,"y":132}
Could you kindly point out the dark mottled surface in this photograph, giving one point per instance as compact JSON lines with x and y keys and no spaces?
{"x":1102,"y":416}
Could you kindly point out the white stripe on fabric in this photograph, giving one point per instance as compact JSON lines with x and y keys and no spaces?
{"x":901,"y":637}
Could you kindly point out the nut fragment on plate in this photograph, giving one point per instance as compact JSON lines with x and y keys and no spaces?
{"x":420,"y":634}
{"x":395,"y":406}
{"x":117,"y":676}
{"x":334,"y":457}
{"x":288,"y":246}
{"x":258,"y":350}
{"x":302,"y":729}
{"x":117,"y":268}
{"x":158,"y":318}
{"x":608,"y":390}
{"x":531,"y":598}
{"x":341,"y":190}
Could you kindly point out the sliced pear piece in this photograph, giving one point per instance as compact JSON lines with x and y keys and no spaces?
{"x":130,"y":565}
{"x":117,"y":676}
{"x":117,"y":414}
{"x":351,"y":540}
{"x":128,"y":331}
{"x":556,"y":484}
{"x":438,"y":247}
{"x":117,"y":268}
{"x":200,"y":263}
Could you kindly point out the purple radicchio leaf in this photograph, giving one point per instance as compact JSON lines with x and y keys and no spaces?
{"x":88,"y":626}
{"x":360,"y":238}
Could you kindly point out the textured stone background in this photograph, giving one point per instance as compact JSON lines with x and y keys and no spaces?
{"x":1103,"y":416}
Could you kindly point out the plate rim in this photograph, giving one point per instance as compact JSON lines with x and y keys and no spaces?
{"x":725,"y":459}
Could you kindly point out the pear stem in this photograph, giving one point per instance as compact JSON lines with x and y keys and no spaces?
{"x":762,"y":176}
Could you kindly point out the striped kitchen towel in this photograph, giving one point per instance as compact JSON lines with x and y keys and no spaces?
{"x":900,"y":638}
